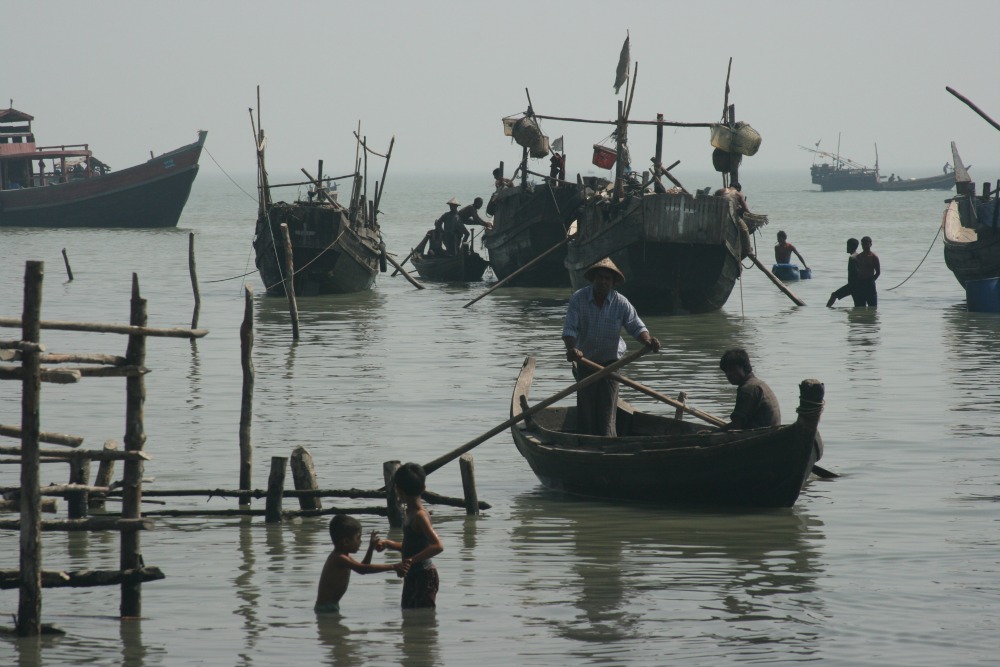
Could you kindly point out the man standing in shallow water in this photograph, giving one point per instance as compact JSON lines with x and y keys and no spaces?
{"x":869,"y":269}
{"x":594,"y":320}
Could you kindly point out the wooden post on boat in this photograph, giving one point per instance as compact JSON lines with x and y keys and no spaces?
{"x":246,"y":401}
{"x":392,"y":502}
{"x":69,"y":271}
{"x":774,"y":279}
{"x":622,"y":131}
{"x":682,"y":400}
{"x":275,"y":489}
{"x":194,"y":282}
{"x":468,"y":468}
{"x":293,"y":307}
{"x":79,"y":474}
{"x":135,"y":438}
{"x":105,"y":473}
{"x":304,"y":478}
{"x":29,"y":609}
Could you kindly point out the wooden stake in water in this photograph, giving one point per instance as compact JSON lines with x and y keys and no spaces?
{"x":69,"y":271}
{"x":293,"y":307}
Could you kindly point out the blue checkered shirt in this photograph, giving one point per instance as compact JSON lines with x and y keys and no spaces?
{"x":598,"y":330}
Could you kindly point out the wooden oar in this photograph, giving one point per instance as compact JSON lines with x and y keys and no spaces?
{"x":399,"y":267}
{"x":520,"y":271}
{"x":711,"y":419}
{"x":587,"y":381}
{"x":972,"y":106}
{"x":776,"y":281}
{"x":405,"y":260}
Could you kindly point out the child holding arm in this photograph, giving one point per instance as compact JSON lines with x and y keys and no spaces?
{"x":345,"y":532}
{"x":420,"y":542}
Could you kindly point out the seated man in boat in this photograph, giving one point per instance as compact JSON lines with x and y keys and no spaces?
{"x":452,"y":230}
{"x":594,"y":320}
{"x":783,"y":251}
{"x":470,"y":214}
{"x":756,"y":405}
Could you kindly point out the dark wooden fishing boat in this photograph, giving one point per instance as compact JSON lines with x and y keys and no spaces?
{"x":971,"y":227}
{"x":336,"y":249}
{"x":663,"y":460}
{"x":75,"y":189}
{"x":467,"y":266}
{"x":839,"y":173}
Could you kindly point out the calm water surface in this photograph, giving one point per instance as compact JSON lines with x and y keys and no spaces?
{"x":893,"y":563}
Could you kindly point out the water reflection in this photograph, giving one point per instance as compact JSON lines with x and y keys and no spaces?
{"x":419,"y":640}
{"x":247,"y":590}
{"x":631,"y":568}
{"x":344,"y":650}
{"x":972,"y":343}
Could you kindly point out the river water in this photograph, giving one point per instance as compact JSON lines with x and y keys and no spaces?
{"x":893,"y":563}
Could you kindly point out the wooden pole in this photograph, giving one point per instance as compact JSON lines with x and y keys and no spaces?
{"x":69,"y":271}
{"x":972,"y":106}
{"x":135,"y":439}
{"x":392,"y":502}
{"x":246,"y":401}
{"x":774,"y":279}
{"x":293,"y":307}
{"x":194,"y":282}
{"x":99,"y":327}
{"x":275,"y":485}
{"x":399,"y":267}
{"x":77,"y":503}
{"x":29,"y":609}
{"x":468,"y":468}
{"x":520,"y":270}
{"x":105,"y":473}
{"x":43,"y":436}
{"x":304,"y":478}
{"x":682,"y":399}
{"x":381,"y":187}
{"x":586,"y":382}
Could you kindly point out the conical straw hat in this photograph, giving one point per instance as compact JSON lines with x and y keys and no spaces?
{"x":605,"y":263}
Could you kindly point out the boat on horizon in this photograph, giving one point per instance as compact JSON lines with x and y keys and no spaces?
{"x":838,"y":173}
{"x":66,"y":186}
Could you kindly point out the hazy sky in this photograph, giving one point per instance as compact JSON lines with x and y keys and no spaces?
{"x":130,"y":77}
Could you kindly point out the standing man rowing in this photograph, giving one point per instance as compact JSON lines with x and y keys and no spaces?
{"x":594,"y":320}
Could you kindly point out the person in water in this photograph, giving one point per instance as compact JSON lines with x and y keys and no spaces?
{"x":420,"y":542}
{"x":852,"y":277}
{"x":345,"y":532}
{"x":783,"y":251}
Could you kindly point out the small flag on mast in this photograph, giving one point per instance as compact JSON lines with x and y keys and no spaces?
{"x":621,"y":74}
{"x":557,"y":145}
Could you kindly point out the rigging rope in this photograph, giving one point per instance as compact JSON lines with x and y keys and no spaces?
{"x":925,"y":257}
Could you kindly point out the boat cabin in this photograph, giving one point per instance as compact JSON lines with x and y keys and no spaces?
{"x":25,"y":165}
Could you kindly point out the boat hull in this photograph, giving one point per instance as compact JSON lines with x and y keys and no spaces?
{"x":459,"y":268}
{"x":527,"y":223}
{"x":330,"y":255}
{"x":152,"y":194}
{"x":971,"y":242}
{"x":666,"y":461}
{"x":679,"y":254}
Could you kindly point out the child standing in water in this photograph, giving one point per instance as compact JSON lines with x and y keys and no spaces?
{"x":345,"y":532}
{"x":420,"y":542}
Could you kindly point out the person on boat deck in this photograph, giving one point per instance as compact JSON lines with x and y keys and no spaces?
{"x":594,"y":320}
{"x":947,"y":166}
{"x":736,"y":192}
{"x":345,"y":533}
{"x":499,"y":182}
{"x":557,"y":168}
{"x":453,"y":232}
{"x":852,"y":277}
{"x":783,"y":251}
{"x":869,"y":269}
{"x":470,"y":214}
{"x":756,"y":405}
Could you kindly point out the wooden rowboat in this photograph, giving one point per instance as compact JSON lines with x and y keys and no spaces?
{"x":664,"y":460}
{"x":463,"y":267}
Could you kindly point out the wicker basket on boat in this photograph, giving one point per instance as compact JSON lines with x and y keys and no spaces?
{"x":741,"y":138}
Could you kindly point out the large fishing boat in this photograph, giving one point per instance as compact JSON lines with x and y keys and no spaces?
{"x":66,"y":186}
{"x":838,"y":173}
{"x":971,"y":226}
{"x":336,"y":248}
{"x":527,"y":244}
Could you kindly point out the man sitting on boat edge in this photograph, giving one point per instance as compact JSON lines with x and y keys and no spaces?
{"x":594,"y":320}
{"x":756,"y":405}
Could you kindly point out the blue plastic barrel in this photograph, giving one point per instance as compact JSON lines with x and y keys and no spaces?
{"x":805,"y":274}
{"x":786,"y":272}
{"x":983,"y":296}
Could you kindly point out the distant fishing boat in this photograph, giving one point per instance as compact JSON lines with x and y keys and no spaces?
{"x":336,"y":249}
{"x":839,"y":173}
{"x":66,"y":186}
